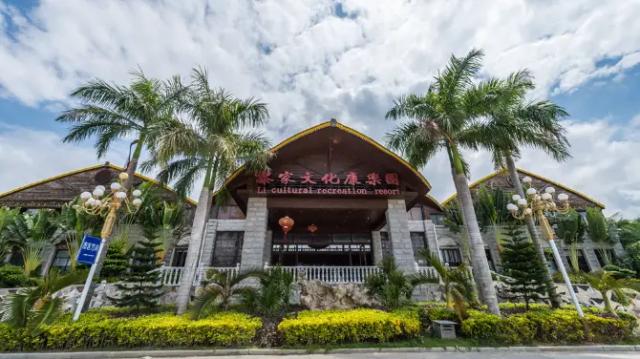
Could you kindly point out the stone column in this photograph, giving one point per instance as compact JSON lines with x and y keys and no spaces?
{"x":432,"y":238}
{"x":266,"y":258}
{"x":208,"y":244}
{"x":255,"y":235}
{"x":398,"y":229}
{"x":376,"y":247}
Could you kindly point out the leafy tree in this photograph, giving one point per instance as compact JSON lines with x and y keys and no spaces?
{"x":32,"y":307}
{"x":6,"y":218}
{"x":271,"y":298}
{"x":32,"y":233}
{"x":606,"y":283}
{"x":211,"y":142}
{"x":598,"y":229}
{"x":522,"y":267}
{"x":390,"y":286}
{"x":220,"y":288}
{"x":140,"y":287}
{"x":570,"y":228}
{"x":456,"y":283}
{"x":450,"y":116}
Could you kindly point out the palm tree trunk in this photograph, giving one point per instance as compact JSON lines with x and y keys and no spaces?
{"x":198,"y":227}
{"x":535,"y":236}
{"x":133,"y":162}
{"x":481,"y":271}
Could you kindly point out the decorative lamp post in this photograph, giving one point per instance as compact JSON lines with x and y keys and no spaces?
{"x":286,"y":223}
{"x":99,"y":203}
{"x":536,"y":204}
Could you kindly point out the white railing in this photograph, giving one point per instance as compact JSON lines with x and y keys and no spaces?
{"x":170,"y":276}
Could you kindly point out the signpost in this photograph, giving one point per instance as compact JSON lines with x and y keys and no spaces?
{"x":90,"y":250}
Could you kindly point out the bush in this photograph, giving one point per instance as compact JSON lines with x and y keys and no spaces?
{"x":547,"y":326}
{"x":98,"y":330}
{"x":431,"y":312}
{"x":348,"y":326}
{"x":13,"y":276}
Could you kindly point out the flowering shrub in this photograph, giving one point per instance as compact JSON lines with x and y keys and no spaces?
{"x":98,"y":330}
{"x":349,"y":326}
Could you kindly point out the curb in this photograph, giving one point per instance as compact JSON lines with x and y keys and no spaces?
{"x":267,"y":351}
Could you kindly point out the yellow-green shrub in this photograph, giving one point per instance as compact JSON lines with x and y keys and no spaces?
{"x":349,"y":326}
{"x":546,"y":326}
{"x":97,"y":330}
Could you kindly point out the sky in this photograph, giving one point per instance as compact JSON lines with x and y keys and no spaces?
{"x":312,"y":60}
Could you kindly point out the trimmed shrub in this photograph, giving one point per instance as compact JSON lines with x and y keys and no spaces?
{"x":13,"y":276}
{"x":546,"y":326}
{"x":349,"y":326}
{"x":97,"y":330}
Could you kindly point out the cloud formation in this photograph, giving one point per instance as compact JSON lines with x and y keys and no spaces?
{"x":312,"y":60}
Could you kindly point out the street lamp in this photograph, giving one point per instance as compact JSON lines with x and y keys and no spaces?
{"x":536,"y":204}
{"x":99,"y":203}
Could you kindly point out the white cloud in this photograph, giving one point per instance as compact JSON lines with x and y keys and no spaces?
{"x":310,"y":65}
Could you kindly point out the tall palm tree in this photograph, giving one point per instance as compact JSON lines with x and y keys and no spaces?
{"x":450,"y":117}
{"x":212,"y":142}
{"x":32,"y":233}
{"x":518,"y":123}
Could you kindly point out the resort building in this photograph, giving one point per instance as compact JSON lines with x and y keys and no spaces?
{"x":333,"y":205}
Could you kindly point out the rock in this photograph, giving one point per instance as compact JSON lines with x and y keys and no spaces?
{"x":317,"y":295}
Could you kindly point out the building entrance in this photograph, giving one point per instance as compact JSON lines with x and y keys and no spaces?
{"x":337,"y":249}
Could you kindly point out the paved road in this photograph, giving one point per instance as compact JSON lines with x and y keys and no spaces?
{"x":445,"y":355}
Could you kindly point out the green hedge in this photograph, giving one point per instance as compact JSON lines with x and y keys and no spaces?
{"x":12,"y":277}
{"x":98,"y":331}
{"x":349,"y":326}
{"x":546,"y":326}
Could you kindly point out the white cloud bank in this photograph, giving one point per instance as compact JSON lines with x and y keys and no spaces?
{"x":311,"y":65}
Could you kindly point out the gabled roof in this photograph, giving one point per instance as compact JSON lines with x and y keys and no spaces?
{"x":488,"y":177}
{"x":63,"y":175}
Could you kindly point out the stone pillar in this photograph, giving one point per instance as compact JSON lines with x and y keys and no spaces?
{"x":255,"y":235}
{"x":208,"y":244}
{"x":432,"y":238}
{"x":398,"y":229}
{"x":376,"y":247}
{"x":266,"y":258}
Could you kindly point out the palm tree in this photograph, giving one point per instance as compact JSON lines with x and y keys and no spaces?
{"x":32,"y":307}
{"x":220,"y":289}
{"x":115,"y":112}
{"x":607,"y":282}
{"x":450,"y":117}
{"x":390,"y":286}
{"x":457,"y":285}
{"x":32,"y":233}
{"x":213,"y":143}
{"x":518,"y":123}
{"x":271,"y":298}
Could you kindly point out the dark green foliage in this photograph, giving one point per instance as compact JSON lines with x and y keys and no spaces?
{"x":570,"y":228}
{"x":271,"y":298}
{"x":390,"y":286}
{"x":13,"y":276}
{"x":219,"y":289}
{"x":116,"y":262}
{"x":140,"y":288}
{"x":491,"y":207}
{"x":523,"y":267}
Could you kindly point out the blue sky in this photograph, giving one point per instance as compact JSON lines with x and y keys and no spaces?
{"x":312,"y":60}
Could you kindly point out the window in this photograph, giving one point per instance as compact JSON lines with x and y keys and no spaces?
{"x":227,"y":250}
{"x":179,"y":257}
{"x":61,"y":260}
{"x":451,"y":256}
{"x":418,"y":242}
{"x":492,"y":265}
{"x":386,"y":244}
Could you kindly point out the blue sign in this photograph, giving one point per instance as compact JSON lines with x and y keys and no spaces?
{"x":89,"y":249}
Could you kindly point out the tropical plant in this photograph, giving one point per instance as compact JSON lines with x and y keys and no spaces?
{"x":72,"y":225}
{"x":523,"y":271}
{"x":13,"y":276}
{"x":390,"y":286}
{"x":31,"y":233}
{"x":451,"y":117}
{"x":32,"y":307}
{"x":219,"y":289}
{"x":519,"y":123}
{"x":607,"y":283}
{"x":570,"y":228}
{"x":271,"y":298}
{"x":456,"y":283}
{"x":212,"y":141}
{"x":6,"y":217}
{"x":491,"y":209}
{"x":598,"y":229}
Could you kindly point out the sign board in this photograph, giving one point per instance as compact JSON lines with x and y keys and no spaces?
{"x":350,"y":183}
{"x":89,"y":249}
